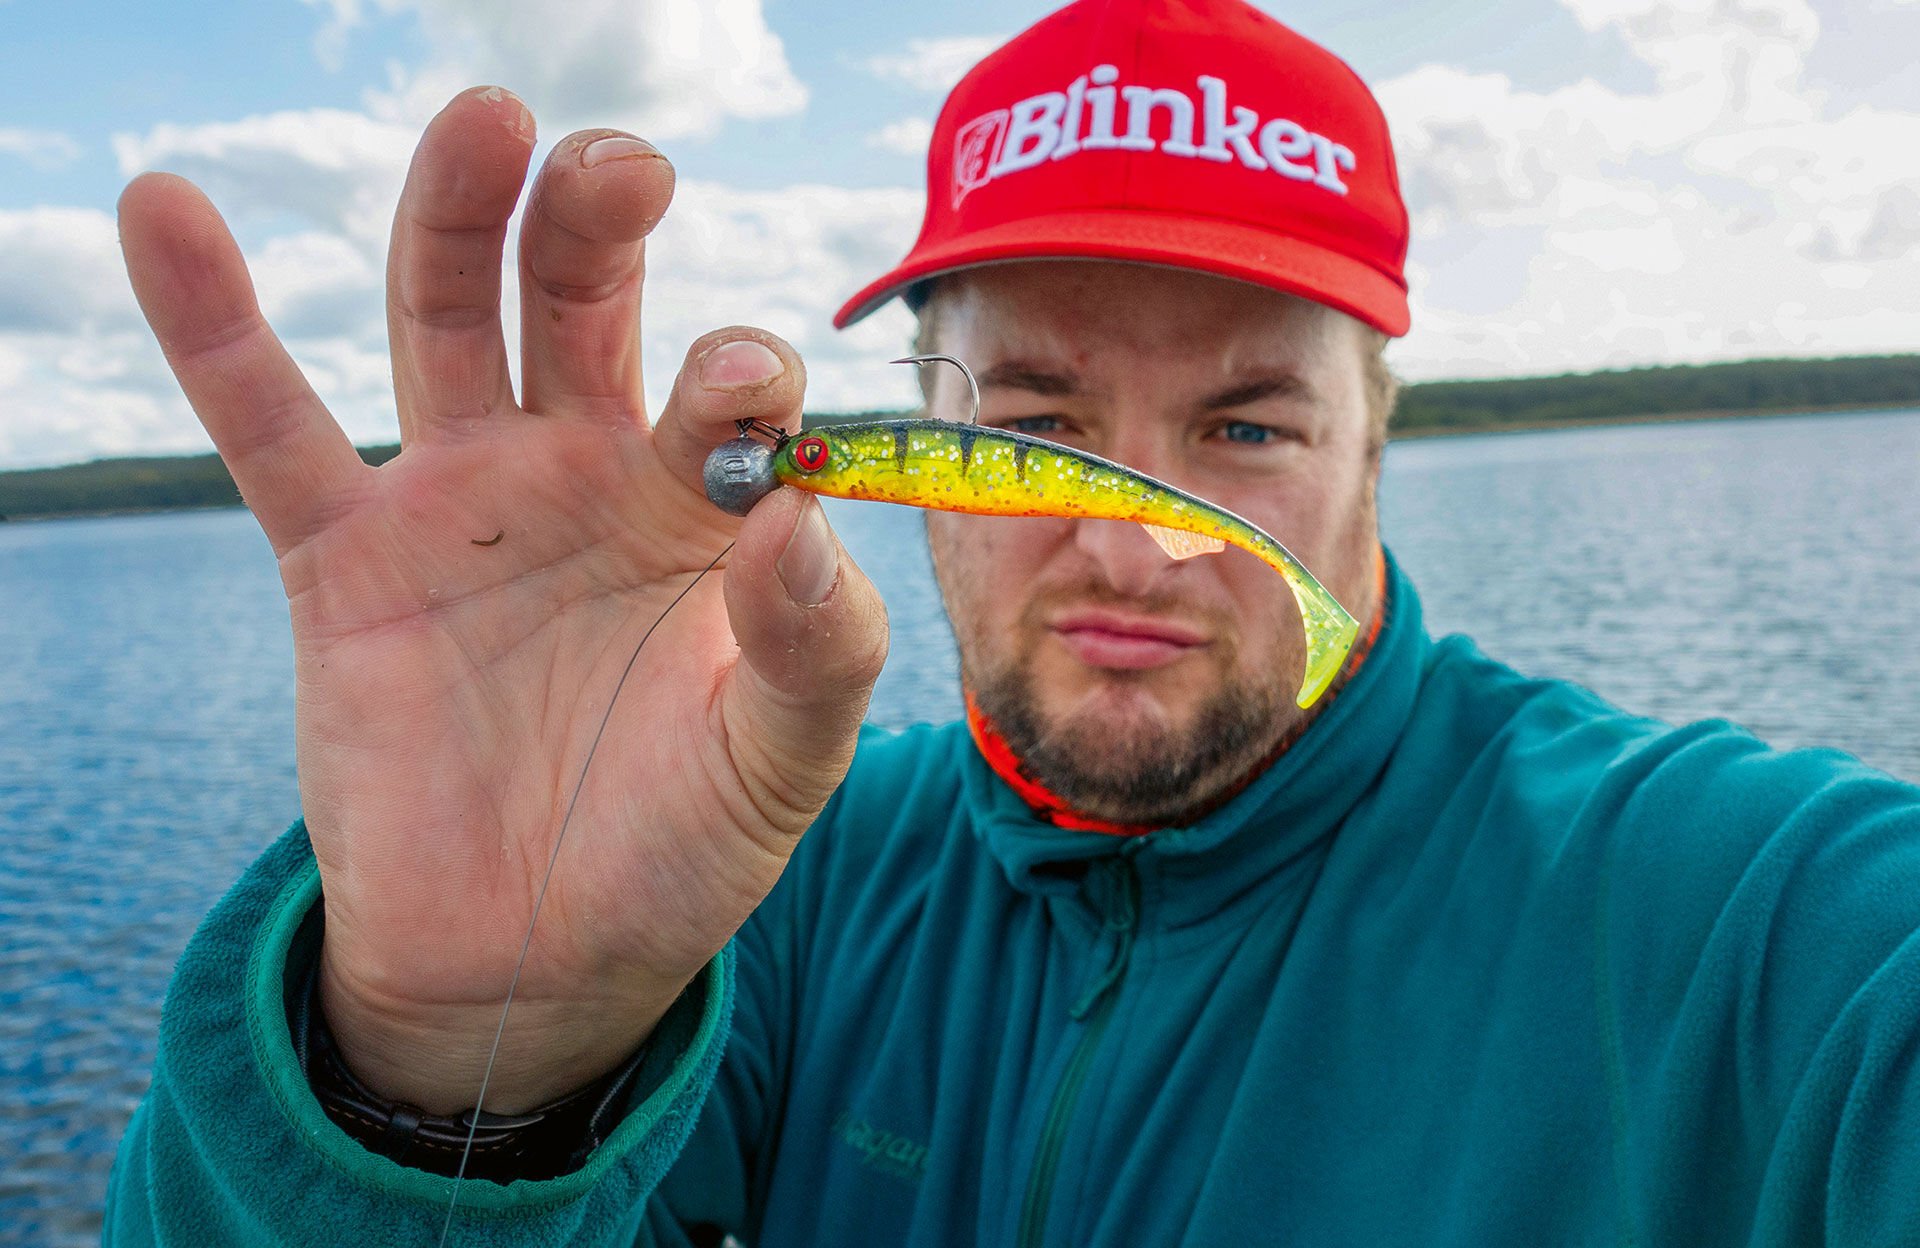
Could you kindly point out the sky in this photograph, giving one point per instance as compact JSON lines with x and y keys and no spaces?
{"x":1592,"y":183}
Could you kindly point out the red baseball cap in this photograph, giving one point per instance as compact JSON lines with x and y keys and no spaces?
{"x":1201,"y":134}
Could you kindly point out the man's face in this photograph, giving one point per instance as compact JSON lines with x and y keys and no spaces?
{"x":1136,"y":686}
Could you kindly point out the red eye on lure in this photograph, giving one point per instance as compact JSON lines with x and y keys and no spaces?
{"x":810,"y":454}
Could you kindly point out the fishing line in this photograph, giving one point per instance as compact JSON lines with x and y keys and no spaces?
{"x":526,"y":942}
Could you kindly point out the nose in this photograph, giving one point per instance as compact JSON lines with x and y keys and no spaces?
{"x":1130,"y":561}
{"x":1126,"y":558}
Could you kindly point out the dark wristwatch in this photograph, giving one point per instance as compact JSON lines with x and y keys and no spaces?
{"x":544,"y":1143}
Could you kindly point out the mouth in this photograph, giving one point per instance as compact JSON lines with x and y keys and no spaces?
{"x":1120,"y":641}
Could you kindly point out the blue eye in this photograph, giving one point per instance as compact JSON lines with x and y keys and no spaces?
{"x":1038,"y":426}
{"x":1247,"y":432}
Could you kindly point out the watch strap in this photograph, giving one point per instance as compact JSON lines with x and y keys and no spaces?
{"x":542,"y":1143}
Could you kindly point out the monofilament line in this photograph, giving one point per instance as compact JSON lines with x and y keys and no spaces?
{"x":526,"y":942}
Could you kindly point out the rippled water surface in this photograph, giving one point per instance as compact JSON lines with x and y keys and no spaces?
{"x":1767,"y":571}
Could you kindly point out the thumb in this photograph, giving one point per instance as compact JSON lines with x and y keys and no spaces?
{"x":813,"y":637}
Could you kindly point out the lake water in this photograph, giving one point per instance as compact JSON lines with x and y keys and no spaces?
{"x":1766,"y":571}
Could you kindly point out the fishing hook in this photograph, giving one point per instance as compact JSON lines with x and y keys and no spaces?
{"x":973,"y":387}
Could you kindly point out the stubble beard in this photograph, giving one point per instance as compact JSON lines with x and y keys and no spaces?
{"x":1138,"y":772}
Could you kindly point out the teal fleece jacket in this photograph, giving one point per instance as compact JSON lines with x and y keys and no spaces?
{"x":1480,"y":961}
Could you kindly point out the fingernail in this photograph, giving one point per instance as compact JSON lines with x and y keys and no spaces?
{"x":810,"y":564}
{"x":522,"y":120}
{"x":741,"y":362}
{"x":615,"y":147}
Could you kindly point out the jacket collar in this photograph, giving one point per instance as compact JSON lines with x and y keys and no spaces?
{"x":1299,"y":801}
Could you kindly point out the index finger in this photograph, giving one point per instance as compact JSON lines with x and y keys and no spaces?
{"x":285,"y":452}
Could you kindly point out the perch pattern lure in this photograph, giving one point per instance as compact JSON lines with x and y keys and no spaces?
{"x":947,"y":466}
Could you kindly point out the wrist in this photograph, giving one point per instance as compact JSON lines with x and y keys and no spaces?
{"x":435,"y":1055}
{"x":543,"y":1143}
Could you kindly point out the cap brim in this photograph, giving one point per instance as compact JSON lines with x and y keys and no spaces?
{"x":1209,"y":245}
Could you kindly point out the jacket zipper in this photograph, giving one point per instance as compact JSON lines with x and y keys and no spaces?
{"x":1095,"y":1008}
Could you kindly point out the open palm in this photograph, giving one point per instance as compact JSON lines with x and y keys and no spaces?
{"x":463,"y":614}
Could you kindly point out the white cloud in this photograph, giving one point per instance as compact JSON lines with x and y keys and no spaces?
{"x":43,"y":149}
{"x":88,"y":393}
{"x":317,"y":188}
{"x":933,"y":64}
{"x":1893,"y":230}
{"x":783,"y":259}
{"x":909,"y":136}
{"x":320,"y":285}
{"x":1722,"y":213}
{"x":81,"y":376}
{"x":330,"y":41}
{"x":13,"y":363}
{"x":1650,"y":248}
{"x":60,"y":272}
{"x":330,"y":168}
{"x":1745,"y":56}
{"x":79,"y":373}
{"x":664,"y":68}
{"x":1838,"y":161}
{"x":353,"y":375}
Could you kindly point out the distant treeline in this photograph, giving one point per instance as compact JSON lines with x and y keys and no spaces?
{"x":147,"y":483}
{"x":1749,"y":388}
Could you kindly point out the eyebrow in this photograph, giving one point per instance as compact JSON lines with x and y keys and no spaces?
{"x":1033,"y":378}
{"x":1053,"y":383}
{"x":1278,"y":385}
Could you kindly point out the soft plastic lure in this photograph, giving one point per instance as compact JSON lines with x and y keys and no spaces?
{"x":948,"y":466}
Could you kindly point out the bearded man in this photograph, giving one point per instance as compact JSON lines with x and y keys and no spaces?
{"x":1142,"y":952}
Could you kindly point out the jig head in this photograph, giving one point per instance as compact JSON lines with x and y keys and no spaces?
{"x":739,"y":473}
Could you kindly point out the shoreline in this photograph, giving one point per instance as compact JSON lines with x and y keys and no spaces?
{"x":109,"y":513}
{"x":1645,"y":418}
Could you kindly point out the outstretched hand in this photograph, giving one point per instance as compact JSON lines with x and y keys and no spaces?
{"x":462,"y":614}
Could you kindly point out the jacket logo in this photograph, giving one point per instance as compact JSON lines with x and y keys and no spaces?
{"x":883,"y":1150}
{"x":1055,"y":125}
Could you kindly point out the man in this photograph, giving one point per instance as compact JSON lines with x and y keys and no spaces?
{"x":1142,"y":953}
